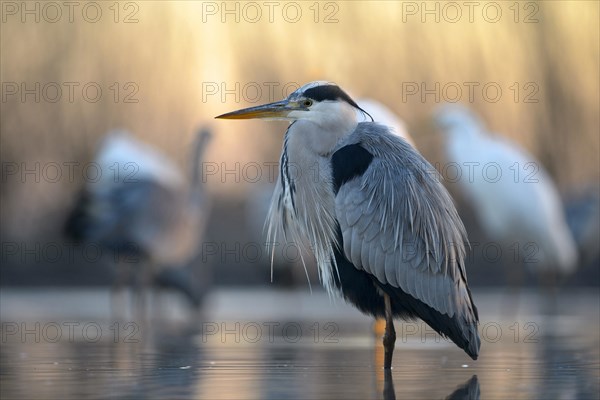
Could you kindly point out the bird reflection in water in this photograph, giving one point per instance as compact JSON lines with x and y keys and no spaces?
{"x":467,"y":391}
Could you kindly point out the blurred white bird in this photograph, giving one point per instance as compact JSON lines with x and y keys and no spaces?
{"x":384,"y":116}
{"x":142,"y":208}
{"x":514,"y":199}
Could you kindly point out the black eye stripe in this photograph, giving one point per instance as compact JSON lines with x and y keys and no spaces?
{"x":328,"y":92}
{"x":332,"y":93}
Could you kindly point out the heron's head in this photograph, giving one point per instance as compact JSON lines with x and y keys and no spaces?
{"x":457,"y":118}
{"x":320,"y":102}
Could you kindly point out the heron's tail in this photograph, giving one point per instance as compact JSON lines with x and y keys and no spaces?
{"x":461,"y":328}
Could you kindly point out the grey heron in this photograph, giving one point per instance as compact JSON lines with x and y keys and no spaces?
{"x":383,"y":229}
{"x":143,"y":209}
{"x":514,"y":199}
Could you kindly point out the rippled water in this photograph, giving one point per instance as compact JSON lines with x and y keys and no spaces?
{"x":531,"y":356}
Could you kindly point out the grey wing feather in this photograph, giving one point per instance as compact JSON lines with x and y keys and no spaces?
{"x":401,"y":216}
{"x":390,"y":269}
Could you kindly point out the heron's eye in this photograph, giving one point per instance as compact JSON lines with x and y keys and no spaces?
{"x":307,"y":103}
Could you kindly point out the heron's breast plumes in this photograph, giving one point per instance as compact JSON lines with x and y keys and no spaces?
{"x":303,"y":205}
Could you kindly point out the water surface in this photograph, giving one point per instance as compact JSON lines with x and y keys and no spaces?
{"x":293,"y":346}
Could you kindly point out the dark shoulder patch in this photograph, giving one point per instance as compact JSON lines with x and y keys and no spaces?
{"x":349,"y":162}
{"x":329,"y":92}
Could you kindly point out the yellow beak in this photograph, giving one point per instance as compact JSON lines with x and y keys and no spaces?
{"x":276,"y":110}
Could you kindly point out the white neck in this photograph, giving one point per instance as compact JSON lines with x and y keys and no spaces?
{"x":324,"y":125}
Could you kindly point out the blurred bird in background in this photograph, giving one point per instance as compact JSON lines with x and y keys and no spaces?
{"x":144,"y":210}
{"x":384,"y":116}
{"x":583,"y":217}
{"x":514,"y":200}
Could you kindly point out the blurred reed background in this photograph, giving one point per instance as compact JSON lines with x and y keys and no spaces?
{"x":176,"y":51}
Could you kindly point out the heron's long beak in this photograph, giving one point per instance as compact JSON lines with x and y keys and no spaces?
{"x":276,"y":110}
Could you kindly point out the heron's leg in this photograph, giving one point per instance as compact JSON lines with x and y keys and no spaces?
{"x":389,"y":337}
{"x":388,"y":386}
{"x":515,"y":277}
{"x":549,"y":299}
{"x":142,"y":287}
{"x":117,"y":292}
